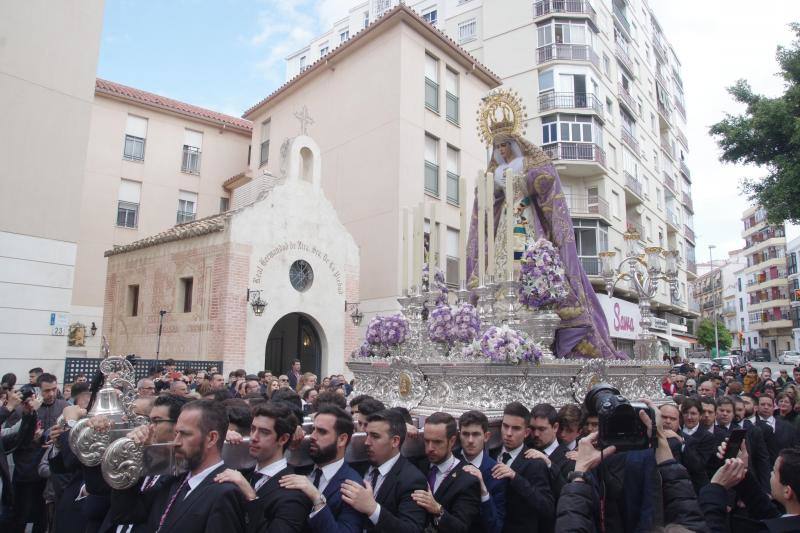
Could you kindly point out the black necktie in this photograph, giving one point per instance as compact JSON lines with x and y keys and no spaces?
{"x":317,"y":477}
{"x":506,"y":458}
{"x":374,"y":478}
{"x":254,"y":477}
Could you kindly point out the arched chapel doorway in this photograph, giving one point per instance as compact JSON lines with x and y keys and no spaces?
{"x":294,"y":336}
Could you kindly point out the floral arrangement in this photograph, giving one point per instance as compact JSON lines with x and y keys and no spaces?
{"x":365,"y":350}
{"x":542,"y":276}
{"x":466,"y":323}
{"x":503,"y":344}
{"x":440,"y":324}
{"x":387,"y":330}
{"x":438,"y":284}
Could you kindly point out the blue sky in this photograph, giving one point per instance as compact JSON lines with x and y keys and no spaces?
{"x":222,"y":54}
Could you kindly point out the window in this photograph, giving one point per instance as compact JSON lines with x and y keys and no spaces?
{"x":653,"y":123}
{"x":323,"y":49}
{"x":265,"y":127}
{"x":606,"y":65}
{"x":453,"y":156}
{"x":546,"y":81}
{"x":135,"y":135}
{"x":192,"y":147}
{"x":591,"y":237}
{"x":344,"y":35}
{"x":431,"y":83}
{"x":467,"y":31}
{"x":615,"y":201}
{"x":224,"y":204}
{"x":610,"y":110}
{"x":430,"y":17}
{"x":739,"y":284}
{"x":185,"y":294}
{"x":612,"y":156}
{"x":128,"y":204}
{"x":568,"y":128}
{"x":366,"y":18}
{"x":133,"y":300}
{"x":302,"y":63}
{"x":658,"y":198}
{"x":649,"y":228}
{"x":451,"y":269}
{"x":563,"y":33}
{"x":451,"y":96}
{"x":187,"y":203}
{"x":431,"y":165}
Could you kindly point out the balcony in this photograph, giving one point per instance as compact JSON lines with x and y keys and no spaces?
{"x":621,"y":20}
{"x":673,"y":220}
{"x":685,"y":170}
{"x":637,"y":227}
{"x":591,"y":265}
{"x":668,"y":148}
{"x":584,"y":152}
{"x":794,"y":297}
{"x":669,"y":182}
{"x":762,"y":257}
{"x":584,"y":204}
{"x":630,"y":140}
{"x":686,"y":200}
{"x":184,"y":217}
{"x":691,"y":266}
{"x":729,"y":309}
{"x":567,"y":52}
{"x":665,"y":114}
{"x":688,"y":232}
{"x":634,"y":185}
{"x":570,"y":8}
{"x":626,"y":99}
{"x":660,"y":49}
{"x":587,"y":101}
{"x":773,"y":318}
{"x":681,"y":109}
{"x":624,"y":59}
{"x":682,"y":139}
{"x":661,"y":78}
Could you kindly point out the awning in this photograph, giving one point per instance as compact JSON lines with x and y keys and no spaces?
{"x":674,"y":342}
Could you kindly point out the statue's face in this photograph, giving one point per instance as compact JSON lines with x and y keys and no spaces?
{"x":505,"y":151}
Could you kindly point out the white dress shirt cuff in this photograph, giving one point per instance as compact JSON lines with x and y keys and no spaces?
{"x":374,"y":516}
{"x":486,"y":498}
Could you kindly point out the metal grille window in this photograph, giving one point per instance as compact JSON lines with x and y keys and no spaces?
{"x":451,"y":96}
{"x":430,"y":17}
{"x":224,"y":204}
{"x":127,"y":214}
{"x":452,"y":175}
{"x":451,"y":272}
{"x":467,"y":31}
{"x":186,"y":207}
{"x":431,"y":165}
{"x":432,"y":83}
{"x":191,"y":160}
{"x":134,"y":148}
{"x":265,"y":131}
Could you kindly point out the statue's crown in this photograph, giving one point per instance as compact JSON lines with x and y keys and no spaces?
{"x":501,"y":112}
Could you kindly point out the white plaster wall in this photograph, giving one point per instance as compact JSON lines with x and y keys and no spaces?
{"x":35,"y":281}
{"x":291,"y":213}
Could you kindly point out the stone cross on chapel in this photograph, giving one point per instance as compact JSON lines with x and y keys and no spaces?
{"x":305,"y":120}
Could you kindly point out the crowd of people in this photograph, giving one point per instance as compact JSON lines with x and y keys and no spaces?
{"x":544,"y":471}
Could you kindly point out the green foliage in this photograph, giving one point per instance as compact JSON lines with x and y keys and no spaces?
{"x":767,"y":134}
{"x":705,"y":335}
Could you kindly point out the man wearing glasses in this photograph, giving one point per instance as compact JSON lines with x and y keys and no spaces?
{"x":146,"y":388}
{"x":284,"y":381}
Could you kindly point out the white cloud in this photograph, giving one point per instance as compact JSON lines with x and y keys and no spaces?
{"x":719,"y":43}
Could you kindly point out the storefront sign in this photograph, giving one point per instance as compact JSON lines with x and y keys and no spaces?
{"x":622,"y":317}
{"x":659,"y":324}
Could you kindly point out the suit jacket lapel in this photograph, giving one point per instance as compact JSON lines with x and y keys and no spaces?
{"x":449,"y":478}
{"x":388,"y":483}
{"x":334,"y":484}
{"x":181,"y":506}
{"x":272,"y":483}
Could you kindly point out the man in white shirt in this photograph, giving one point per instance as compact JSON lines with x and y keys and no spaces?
{"x":385,"y":498}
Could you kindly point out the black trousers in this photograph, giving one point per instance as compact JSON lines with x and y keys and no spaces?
{"x":29,"y":506}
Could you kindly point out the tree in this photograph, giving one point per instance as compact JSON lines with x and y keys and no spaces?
{"x":767,"y":134}
{"x":705,"y":335}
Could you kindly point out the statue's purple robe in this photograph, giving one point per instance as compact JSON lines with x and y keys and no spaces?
{"x":583,"y":331}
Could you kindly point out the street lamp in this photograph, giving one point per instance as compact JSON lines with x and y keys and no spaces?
{"x":356,"y":316}
{"x":93,"y":329}
{"x":713,"y":297}
{"x":643,"y":271}
{"x":255,"y":301}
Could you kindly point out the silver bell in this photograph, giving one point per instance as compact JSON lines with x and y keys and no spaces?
{"x":108,"y":403}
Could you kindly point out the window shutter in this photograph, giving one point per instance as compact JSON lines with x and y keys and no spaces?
{"x":130,"y":191}
{"x":136,"y":126}
{"x":265,"y":128}
{"x":451,"y":82}
{"x":193,"y":138}
{"x":431,"y":68}
{"x":431,"y":150}
{"x":452,"y":160}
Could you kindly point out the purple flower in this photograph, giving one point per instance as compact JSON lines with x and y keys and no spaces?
{"x":387,"y":330}
{"x":440,"y":324}
{"x":541,"y":276}
{"x":503,"y":344}
{"x":466,"y":323}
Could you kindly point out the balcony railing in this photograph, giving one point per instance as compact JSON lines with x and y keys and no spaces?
{"x":638,"y":228}
{"x":665,"y":112}
{"x":769,"y":297}
{"x":670,"y":182}
{"x":764,"y":235}
{"x":630,"y":140}
{"x":576,"y":152}
{"x":688,"y":232}
{"x":691,"y":266}
{"x":622,"y":19}
{"x":184,"y":216}
{"x":687,"y":201}
{"x":682,"y":139}
{"x":667,"y":147}
{"x":626,"y":98}
{"x":659,"y":48}
{"x":550,"y":101}
{"x":685,"y":170}
{"x":583,"y":204}
{"x":762,"y":257}
{"x":572,"y":7}
{"x":729,"y":309}
{"x":633,"y":184}
{"x":672,"y":218}
{"x":662,"y":78}
{"x":591,"y":265}
{"x":680,"y":108}
{"x":764,"y":277}
{"x":772,"y":315}
{"x":624,"y":59}
{"x":567,"y":52}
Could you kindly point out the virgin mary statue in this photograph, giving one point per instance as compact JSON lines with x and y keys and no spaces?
{"x":541,"y":210}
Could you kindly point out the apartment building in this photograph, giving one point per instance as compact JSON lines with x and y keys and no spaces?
{"x":766,"y":280}
{"x":719,"y":291}
{"x":48,"y":59}
{"x":605,"y":99}
{"x":793,"y":276}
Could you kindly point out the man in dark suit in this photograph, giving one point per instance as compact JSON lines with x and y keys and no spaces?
{"x":385,"y":498}
{"x":294,"y":374}
{"x":694,"y":435}
{"x":452,"y":499}
{"x":530,"y":505}
{"x":760,"y":467}
{"x":473,"y":427}
{"x":778,"y":433}
{"x":333,"y":428}
{"x":192,"y":502}
{"x":544,"y":430}
{"x":268,"y":507}
{"x":20,"y":435}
